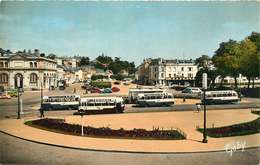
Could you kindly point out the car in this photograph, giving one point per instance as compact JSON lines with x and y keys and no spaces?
{"x":12,"y":93}
{"x":95,"y":90}
{"x":115,"y":89}
{"x":117,"y":83}
{"x":4,"y":95}
{"x":192,"y":90}
{"x":107,"y":90}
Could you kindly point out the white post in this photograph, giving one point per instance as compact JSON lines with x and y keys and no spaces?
{"x":21,"y":106}
{"x":82,"y":133}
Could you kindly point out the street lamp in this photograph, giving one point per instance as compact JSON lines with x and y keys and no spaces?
{"x":204,"y":87}
{"x":18,"y":77}
{"x":82,"y":113}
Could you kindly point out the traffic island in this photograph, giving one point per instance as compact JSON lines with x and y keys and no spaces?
{"x":60,"y":126}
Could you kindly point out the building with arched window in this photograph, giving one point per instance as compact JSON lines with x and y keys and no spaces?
{"x":27,"y":71}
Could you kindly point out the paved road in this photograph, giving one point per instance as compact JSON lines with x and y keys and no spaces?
{"x":31,"y":102}
{"x":17,"y":151}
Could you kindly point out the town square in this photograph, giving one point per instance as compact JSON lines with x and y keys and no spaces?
{"x":117,"y":82}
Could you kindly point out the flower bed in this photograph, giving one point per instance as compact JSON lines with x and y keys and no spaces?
{"x":247,"y":128}
{"x":59,"y":125}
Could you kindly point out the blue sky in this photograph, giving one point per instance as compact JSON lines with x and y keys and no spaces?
{"x":130,"y":30}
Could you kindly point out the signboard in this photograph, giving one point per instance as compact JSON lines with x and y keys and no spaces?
{"x":204,"y":81}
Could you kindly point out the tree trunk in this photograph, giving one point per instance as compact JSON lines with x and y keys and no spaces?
{"x":235,"y":82}
{"x":253,"y":82}
{"x":248,"y":84}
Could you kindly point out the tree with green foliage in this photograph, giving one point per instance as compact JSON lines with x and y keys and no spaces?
{"x":227,"y":59}
{"x":84,"y":61}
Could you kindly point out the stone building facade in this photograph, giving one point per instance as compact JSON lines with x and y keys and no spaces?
{"x":167,"y":72}
{"x":27,"y":71}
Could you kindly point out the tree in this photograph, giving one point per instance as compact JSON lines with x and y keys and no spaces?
{"x":250,"y":60}
{"x":84,"y":61}
{"x":227,"y":59}
{"x":204,"y":65}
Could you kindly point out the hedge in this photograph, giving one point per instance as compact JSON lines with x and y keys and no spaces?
{"x":101,"y":84}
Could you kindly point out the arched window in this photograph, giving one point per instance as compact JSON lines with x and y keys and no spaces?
{"x":35,"y":64}
{"x":6,"y":64}
{"x":31,"y":65}
{"x":3,"y":78}
{"x":33,"y":78}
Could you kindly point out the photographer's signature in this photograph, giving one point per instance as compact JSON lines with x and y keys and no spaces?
{"x":235,"y":146}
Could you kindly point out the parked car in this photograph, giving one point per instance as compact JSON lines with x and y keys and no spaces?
{"x":117,"y":82}
{"x":115,"y":89}
{"x":107,"y":90}
{"x":95,"y":90}
{"x":4,"y":95}
{"x":12,"y":93}
{"x":192,"y":90}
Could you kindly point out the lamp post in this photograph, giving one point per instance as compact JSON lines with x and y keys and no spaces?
{"x":18,"y":80}
{"x":82,"y":112}
{"x":204,"y":86}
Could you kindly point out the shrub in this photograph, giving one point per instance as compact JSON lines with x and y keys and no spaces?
{"x":101,"y":84}
{"x":60,"y":126}
{"x":96,"y":77}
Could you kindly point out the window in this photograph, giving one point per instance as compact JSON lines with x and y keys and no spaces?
{"x":33,"y":78}
{"x":170,"y":75}
{"x":3,"y":78}
{"x":1,"y":64}
{"x":31,"y":65}
{"x":162,"y":75}
{"x":35,"y":64}
{"x":6,"y":64}
{"x":182,"y":68}
{"x":190,"y":68}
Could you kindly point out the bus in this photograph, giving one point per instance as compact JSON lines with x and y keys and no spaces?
{"x":220,"y":97}
{"x":101,"y":105}
{"x":155,"y":99}
{"x":133,"y":92}
{"x":66,"y":102}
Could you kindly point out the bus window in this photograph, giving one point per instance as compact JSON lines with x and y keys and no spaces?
{"x":234,"y":94}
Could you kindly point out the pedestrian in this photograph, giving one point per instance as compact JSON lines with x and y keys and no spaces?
{"x":41,"y":112}
{"x":184,"y":99}
{"x":198,"y":107}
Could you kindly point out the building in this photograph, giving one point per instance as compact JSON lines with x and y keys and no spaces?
{"x":142,"y":73}
{"x":27,"y":70}
{"x":167,"y":72}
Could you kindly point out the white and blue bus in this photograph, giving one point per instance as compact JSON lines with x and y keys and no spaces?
{"x":155,"y":99}
{"x":102,"y":104}
{"x":220,"y":97}
{"x":66,"y":102}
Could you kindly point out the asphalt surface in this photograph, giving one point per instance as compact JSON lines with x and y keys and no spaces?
{"x":18,"y":151}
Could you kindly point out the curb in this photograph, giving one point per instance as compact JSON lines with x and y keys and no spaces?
{"x":117,"y":151}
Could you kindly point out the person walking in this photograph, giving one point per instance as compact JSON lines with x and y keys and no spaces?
{"x":41,"y":112}
{"x":198,"y":107}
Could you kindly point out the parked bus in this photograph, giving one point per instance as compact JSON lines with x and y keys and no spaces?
{"x":66,"y":102}
{"x":133,"y":92}
{"x":102,"y":104}
{"x":220,"y":97}
{"x":155,"y":99}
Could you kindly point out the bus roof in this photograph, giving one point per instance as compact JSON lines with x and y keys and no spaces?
{"x":60,"y":96}
{"x":222,"y":91}
{"x":145,"y":89}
